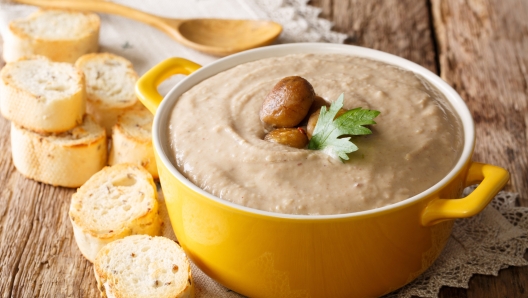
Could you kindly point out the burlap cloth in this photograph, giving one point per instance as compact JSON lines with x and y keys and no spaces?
{"x":484,"y":244}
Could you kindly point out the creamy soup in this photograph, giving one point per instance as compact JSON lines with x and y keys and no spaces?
{"x":217,"y":137}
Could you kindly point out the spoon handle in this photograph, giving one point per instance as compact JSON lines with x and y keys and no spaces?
{"x":169,"y":26}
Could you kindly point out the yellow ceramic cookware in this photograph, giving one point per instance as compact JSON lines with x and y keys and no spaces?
{"x":264,"y":254}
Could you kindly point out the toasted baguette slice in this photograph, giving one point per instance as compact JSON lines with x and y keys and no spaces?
{"x":116,"y":202}
{"x":141,"y":266}
{"x":110,"y":81}
{"x":60,"y":35}
{"x":42,"y":95}
{"x":132,"y":140}
{"x":67,"y":159}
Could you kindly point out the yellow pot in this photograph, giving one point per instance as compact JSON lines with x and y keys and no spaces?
{"x":264,"y":254}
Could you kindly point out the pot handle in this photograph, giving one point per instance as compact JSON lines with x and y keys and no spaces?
{"x":491,"y":178}
{"x":147,"y":85}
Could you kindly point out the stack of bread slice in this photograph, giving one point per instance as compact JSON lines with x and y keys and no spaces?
{"x":47,"y":100}
{"x":116,"y":202}
{"x":51,"y":140}
{"x":111,"y":100}
{"x":115,"y":216}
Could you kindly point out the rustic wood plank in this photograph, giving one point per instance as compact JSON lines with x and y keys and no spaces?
{"x":398,"y":27}
{"x":482,"y":54}
{"x":483,"y":50}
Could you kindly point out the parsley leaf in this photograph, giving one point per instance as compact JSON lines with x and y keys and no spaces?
{"x":328,"y":133}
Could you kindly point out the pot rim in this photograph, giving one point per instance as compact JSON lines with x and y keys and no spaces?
{"x":162,"y":116}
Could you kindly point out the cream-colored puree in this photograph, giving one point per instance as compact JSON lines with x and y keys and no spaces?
{"x":217,"y":137}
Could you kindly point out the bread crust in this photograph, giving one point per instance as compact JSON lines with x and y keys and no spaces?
{"x":132,"y":140}
{"x":18,"y":43}
{"x":36,"y":111}
{"x":112,"y":282}
{"x":56,"y":159}
{"x":93,"y":230}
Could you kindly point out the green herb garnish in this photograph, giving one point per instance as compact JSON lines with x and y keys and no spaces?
{"x":332,"y":136}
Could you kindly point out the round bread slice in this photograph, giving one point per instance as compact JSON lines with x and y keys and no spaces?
{"x":60,"y":35}
{"x":42,"y":95}
{"x":110,"y":83}
{"x":66,"y":159}
{"x":141,"y":266}
{"x":116,"y":202}
{"x":132,"y":140}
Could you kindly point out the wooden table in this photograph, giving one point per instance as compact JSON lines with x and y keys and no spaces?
{"x":480,"y":47}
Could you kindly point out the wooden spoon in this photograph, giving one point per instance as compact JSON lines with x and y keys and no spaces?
{"x":219,"y":37}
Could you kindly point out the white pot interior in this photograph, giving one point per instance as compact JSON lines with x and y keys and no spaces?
{"x":162,"y":116}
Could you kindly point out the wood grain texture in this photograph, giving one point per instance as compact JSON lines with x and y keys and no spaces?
{"x":483,"y":46}
{"x":483,"y":55}
{"x":400,"y":27}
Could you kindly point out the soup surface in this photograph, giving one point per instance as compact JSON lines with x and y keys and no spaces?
{"x":217,"y":137}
